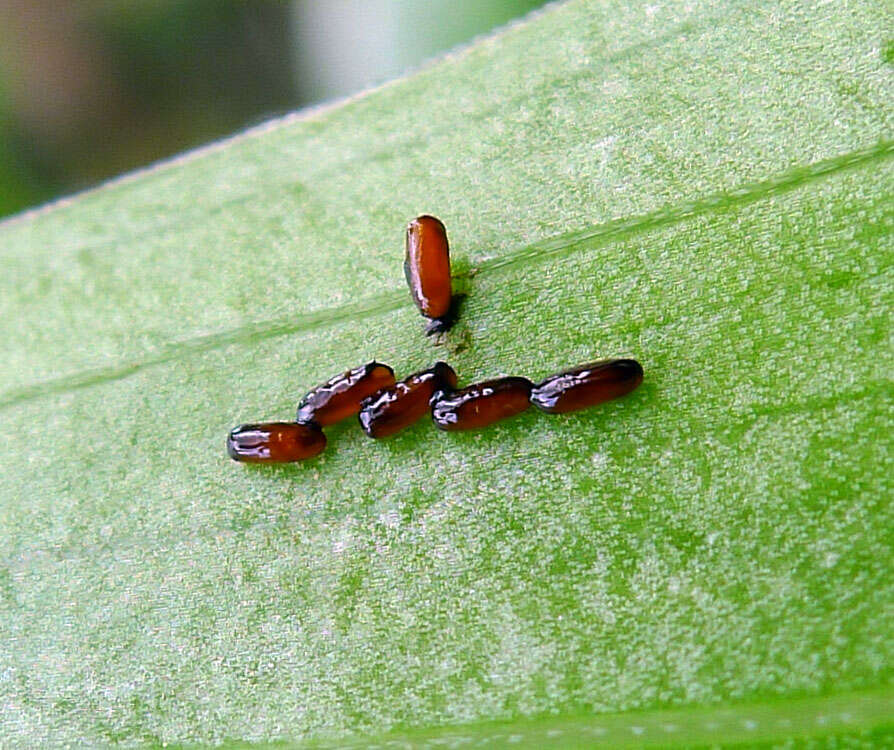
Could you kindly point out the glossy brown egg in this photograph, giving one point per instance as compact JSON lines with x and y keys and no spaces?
{"x":481,"y":404}
{"x":587,"y":385}
{"x":427,"y":268}
{"x":400,"y":405}
{"x":339,"y":397}
{"x":275,"y":442}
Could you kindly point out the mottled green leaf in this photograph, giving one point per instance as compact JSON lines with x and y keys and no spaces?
{"x":704,"y":187}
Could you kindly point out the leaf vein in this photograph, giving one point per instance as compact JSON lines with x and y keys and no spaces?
{"x":552,"y":247}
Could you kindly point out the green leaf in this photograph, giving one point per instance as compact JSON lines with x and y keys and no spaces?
{"x":706,"y":189}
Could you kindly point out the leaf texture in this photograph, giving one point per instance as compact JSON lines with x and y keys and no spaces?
{"x":705,"y":188}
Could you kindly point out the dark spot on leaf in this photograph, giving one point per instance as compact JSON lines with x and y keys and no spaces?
{"x":888,"y":51}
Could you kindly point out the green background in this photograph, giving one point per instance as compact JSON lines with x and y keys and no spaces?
{"x":705,"y":189}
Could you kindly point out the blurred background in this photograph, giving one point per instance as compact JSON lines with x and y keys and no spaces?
{"x":94,"y":88}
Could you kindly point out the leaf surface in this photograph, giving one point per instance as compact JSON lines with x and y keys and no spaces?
{"x":706,"y":189}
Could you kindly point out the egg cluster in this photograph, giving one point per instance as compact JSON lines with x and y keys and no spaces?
{"x":385,"y":406}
